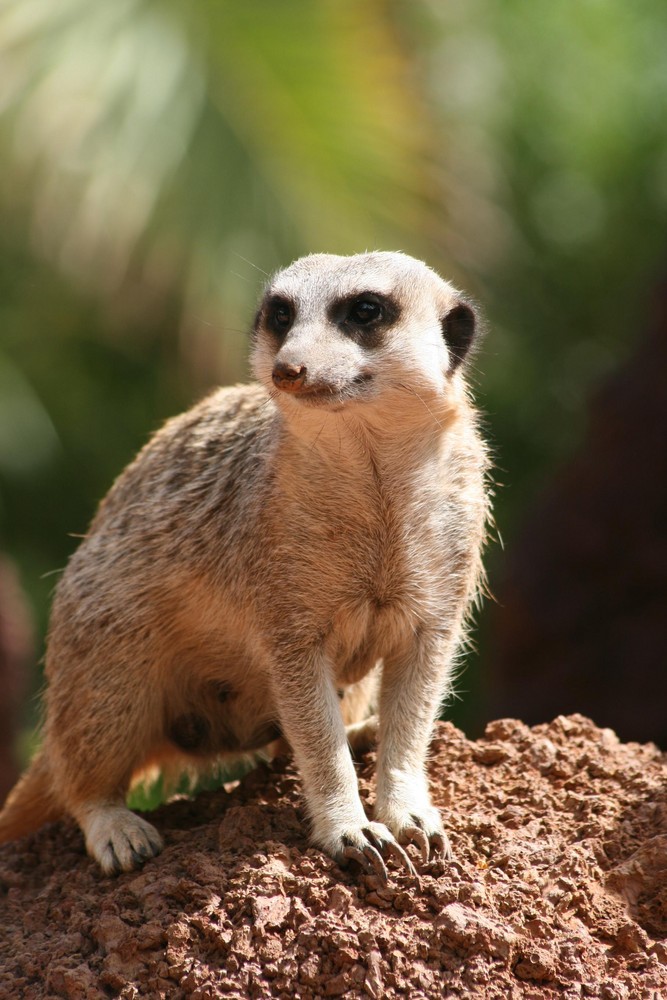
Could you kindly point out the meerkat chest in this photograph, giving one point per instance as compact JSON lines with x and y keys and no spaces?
{"x":382,"y":610}
{"x":393,"y":575}
{"x":362,"y":553}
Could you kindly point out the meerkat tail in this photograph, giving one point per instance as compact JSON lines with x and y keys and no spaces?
{"x":30,"y":803}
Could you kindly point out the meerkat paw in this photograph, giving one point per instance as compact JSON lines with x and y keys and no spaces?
{"x":119,"y":840}
{"x":427,"y":833}
{"x":369,"y":844}
{"x":416,"y":823}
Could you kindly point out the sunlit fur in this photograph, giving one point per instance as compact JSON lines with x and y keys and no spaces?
{"x":266,"y":551}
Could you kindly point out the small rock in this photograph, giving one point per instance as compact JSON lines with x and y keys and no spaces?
{"x":491,"y":753}
{"x":338,"y":985}
{"x":340,"y":899}
{"x":271,"y":911}
{"x":536,"y":964}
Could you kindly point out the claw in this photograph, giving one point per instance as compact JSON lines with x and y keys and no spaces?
{"x":383,"y":844}
{"x":416,"y":835}
{"x":377,"y":842}
{"x":369,"y":859}
{"x":137,"y":858}
{"x":401,"y":856}
{"x":116,"y":867}
{"x":440,"y":844}
{"x":377,"y":845}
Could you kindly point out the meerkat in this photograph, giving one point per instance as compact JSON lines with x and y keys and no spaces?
{"x":288,"y":557}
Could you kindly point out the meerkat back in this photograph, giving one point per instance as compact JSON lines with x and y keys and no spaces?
{"x":296,"y":557}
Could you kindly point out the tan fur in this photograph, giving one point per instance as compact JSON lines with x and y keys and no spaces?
{"x":269,"y":552}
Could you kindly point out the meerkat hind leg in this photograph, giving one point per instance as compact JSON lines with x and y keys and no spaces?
{"x":358,"y":707}
{"x":362,"y":736}
{"x":118,"y":839}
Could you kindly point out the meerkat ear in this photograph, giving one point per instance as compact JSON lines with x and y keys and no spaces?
{"x":459,"y":328}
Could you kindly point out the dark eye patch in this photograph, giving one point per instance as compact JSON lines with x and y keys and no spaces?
{"x":365,"y":316}
{"x":277,"y":314}
{"x":365,"y":311}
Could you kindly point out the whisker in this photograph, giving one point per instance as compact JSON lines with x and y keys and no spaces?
{"x":54,"y":572}
{"x":414,"y":392}
{"x":354,"y":434}
{"x":246,"y":261}
{"x":317,"y":437}
{"x":272,"y":395}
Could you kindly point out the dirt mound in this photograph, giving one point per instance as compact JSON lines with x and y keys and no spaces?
{"x":558,"y":889}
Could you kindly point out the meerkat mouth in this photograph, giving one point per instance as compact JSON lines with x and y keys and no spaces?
{"x":327,"y":395}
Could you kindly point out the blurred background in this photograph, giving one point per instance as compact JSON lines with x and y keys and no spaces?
{"x":160,"y":158}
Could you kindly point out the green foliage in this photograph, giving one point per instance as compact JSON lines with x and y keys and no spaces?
{"x":560,"y":110}
{"x":181,"y":138}
{"x":151,"y":793}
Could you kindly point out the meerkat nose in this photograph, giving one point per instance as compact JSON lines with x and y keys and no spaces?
{"x":288,"y":377}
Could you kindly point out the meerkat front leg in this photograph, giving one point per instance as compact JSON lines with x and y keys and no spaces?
{"x":311,"y":718}
{"x":413,"y":685}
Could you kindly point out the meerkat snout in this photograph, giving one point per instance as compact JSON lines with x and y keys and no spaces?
{"x":288,"y":377}
{"x":295,"y":557}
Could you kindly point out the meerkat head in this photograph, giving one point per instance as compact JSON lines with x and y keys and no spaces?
{"x":341,"y":332}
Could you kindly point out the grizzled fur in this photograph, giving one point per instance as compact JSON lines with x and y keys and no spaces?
{"x":283,"y":558}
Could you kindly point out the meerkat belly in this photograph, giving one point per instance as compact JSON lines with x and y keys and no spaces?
{"x":217,"y":701}
{"x":216,"y":719}
{"x":217,"y":698}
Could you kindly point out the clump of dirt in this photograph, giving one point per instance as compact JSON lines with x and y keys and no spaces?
{"x":558,"y":889}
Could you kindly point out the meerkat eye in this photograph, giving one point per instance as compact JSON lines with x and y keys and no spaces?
{"x":280,"y":316}
{"x":364,"y":311}
{"x":364,"y":316}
